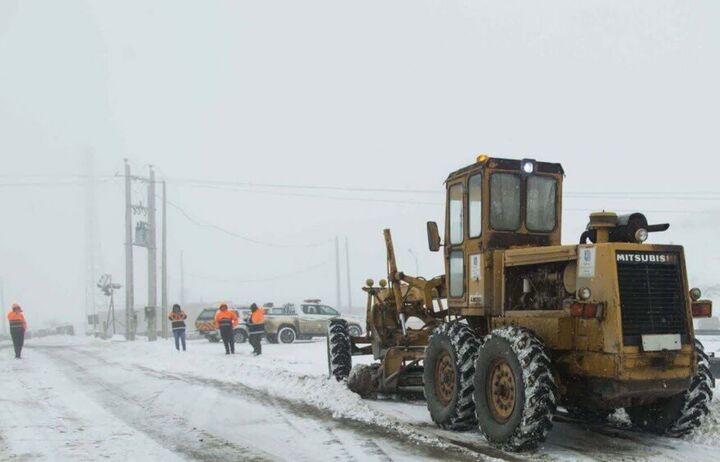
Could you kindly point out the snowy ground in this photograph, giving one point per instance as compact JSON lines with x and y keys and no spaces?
{"x":85,"y":399}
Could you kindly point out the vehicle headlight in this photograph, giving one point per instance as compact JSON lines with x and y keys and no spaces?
{"x":641,"y":235}
{"x":528,"y":167}
{"x":695,"y":294}
{"x":585,"y":293}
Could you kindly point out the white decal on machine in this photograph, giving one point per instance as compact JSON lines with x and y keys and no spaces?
{"x":586,"y":262}
{"x":475,"y":264}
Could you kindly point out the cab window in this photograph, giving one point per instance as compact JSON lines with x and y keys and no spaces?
{"x":541,"y":203}
{"x":475,"y":206}
{"x":505,"y":201}
{"x":456,"y":214}
{"x":324,"y":309}
{"x":457,"y":274}
{"x":310,"y":309}
{"x":206,"y":315}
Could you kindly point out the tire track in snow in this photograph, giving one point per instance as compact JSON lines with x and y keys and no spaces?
{"x":369,"y":431}
{"x":212,"y":449}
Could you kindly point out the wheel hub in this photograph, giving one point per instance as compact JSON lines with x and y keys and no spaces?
{"x":287,"y":336}
{"x":445,"y":378}
{"x":501,"y":390}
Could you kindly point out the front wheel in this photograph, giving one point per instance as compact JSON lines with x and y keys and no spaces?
{"x":515,"y":392}
{"x":679,"y":415}
{"x":339,"y":349}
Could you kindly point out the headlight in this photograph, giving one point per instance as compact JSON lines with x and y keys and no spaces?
{"x":695,"y":294}
{"x":641,"y":235}
{"x":585,"y":293}
{"x":528,"y":167}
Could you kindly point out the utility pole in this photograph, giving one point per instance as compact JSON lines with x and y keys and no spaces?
{"x":337,"y":271}
{"x":92,"y":245}
{"x":129,"y":286}
{"x":182,"y":279}
{"x":151,"y":310}
{"x":349,"y":279}
{"x":164,"y":274}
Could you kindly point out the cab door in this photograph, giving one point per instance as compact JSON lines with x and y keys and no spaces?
{"x":311,"y":321}
{"x":474,"y":268}
{"x":326,"y":314}
{"x":455,"y":262}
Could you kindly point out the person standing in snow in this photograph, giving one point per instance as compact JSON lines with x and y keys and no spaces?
{"x":256,"y":328}
{"x":178,"y":317}
{"x":18,"y":326}
{"x":226,"y":320}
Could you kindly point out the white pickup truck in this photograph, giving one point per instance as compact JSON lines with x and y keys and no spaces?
{"x":288,"y":323}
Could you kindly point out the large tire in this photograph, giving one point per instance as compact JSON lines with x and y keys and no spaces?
{"x":681,"y":414}
{"x":339,"y":349}
{"x":515,"y":391}
{"x":448,"y":376}
{"x":286,"y":335}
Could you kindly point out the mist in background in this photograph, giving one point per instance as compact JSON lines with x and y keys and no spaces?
{"x":235,"y":102}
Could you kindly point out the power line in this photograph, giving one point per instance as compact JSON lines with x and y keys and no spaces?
{"x":238,"y":235}
{"x":316,"y":196}
{"x":243,"y":184}
{"x":265,"y":279}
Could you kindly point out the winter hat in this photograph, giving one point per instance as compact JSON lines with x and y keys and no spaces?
{"x":15,"y":306}
{"x":253,"y":307}
{"x":176,"y":307}
{"x":223,"y":306}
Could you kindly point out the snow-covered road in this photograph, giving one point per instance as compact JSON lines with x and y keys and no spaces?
{"x":84,"y":399}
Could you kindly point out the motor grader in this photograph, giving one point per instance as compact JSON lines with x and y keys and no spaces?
{"x":520,"y":325}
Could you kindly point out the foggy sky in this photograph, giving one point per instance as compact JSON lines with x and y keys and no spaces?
{"x":372,"y":94}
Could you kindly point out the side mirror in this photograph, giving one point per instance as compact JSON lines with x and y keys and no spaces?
{"x":433,"y":236}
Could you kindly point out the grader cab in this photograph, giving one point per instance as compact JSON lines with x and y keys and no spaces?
{"x":520,"y":324}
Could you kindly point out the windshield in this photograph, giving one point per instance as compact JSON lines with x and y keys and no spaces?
{"x":541,"y":201}
{"x":505,"y":201}
{"x":206,"y":315}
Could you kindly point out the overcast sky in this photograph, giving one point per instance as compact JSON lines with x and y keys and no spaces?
{"x":372,"y":94}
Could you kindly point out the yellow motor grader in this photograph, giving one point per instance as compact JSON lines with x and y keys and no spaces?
{"x":520,"y":324}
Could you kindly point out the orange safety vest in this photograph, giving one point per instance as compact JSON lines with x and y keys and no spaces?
{"x":177,"y":319}
{"x":258,"y":317}
{"x":226,"y":318}
{"x":17,"y":320}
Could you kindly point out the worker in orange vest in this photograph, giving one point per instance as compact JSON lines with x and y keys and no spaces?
{"x":256,"y":328}
{"x":18,"y":326}
{"x":177,"y":317}
{"x":226,"y":320}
